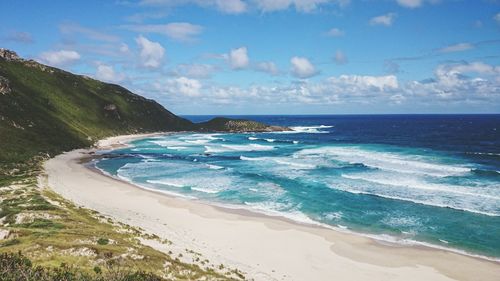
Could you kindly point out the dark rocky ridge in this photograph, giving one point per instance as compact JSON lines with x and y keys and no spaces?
{"x":221,"y":124}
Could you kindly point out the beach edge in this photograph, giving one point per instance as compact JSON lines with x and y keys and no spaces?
{"x":376,"y":260}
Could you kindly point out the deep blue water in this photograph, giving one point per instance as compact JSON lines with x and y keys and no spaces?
{"x":431,"y":179}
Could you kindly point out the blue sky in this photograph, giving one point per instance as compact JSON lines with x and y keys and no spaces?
{"x":274,"y":56}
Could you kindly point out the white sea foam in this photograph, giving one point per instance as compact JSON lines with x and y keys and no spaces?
{"x":233,"y":147}
{"x":206,"y":190}
{"x":413,"y":183}
{"x":270,"y":209}
{"x":209,"y":137}
{"x":177,"y":147}
{"x":333,"y":215}
{"x":217,"y":183}
{"x":388,"y":161}
{"x":166,"y":143}
{"x":251,"y":158}
{"x":102,"y":170}
{"x":281,"y":210}
{"x":214,"y":167}
{"x":408,"y":178}
{"x":402,"y":221}
{"x":282,"y":161}
{"x":309,"y":129}
{"x":249,"y":147}
{"x":253,"y":138}
{"x":201,"y":141}
{"x":165,"y":182}
{"x":457,"y":203}
{"x":294,"y":164}
{"x":484,"y":153}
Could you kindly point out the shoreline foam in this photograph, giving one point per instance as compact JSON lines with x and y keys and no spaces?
{"x":381,"y":238}
{"x":273,"y":226}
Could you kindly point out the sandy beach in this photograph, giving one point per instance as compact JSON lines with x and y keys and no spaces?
{"x":264,"y":247}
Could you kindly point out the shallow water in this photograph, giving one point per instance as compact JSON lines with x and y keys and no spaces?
{"x":429,"y":179}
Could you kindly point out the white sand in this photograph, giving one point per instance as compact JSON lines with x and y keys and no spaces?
{"x":265,"y":248}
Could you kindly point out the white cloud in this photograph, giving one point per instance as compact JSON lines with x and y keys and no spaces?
{"x":302,"y":67}
{"x":199,"y":71}
{"x":59,"y":58}
{"x":238,"y":58}
{"x":497,"y":18}
{"x":340,"y":57}
{"x":333,"y":90}
{"x":107,"y":73}
{"x":359,"y":83}
{"x":410,"y":3}
{"x":180,"y":31}
{"x":181,"y":85}
{"x":239,"y":6}
{"x":446,"y":70}
{"x":416,"y":3}
{"x":385,"y":20}
{"x":231,"y":6}
{"x":462,"y":83}
{"x":151,"y":53}
{"x":457,"y":48}
{"x":335,"y":32}
{"x":300,"y":5}
{"x":140,"y":17}
{"x":225,"y":6}
{"x":20,"y":37}
{"x":124,"y":48}
{"x":268,"y":66}
{"x":73,"y":28}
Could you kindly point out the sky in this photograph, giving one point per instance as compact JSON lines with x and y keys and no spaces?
{"x":273,"y":56}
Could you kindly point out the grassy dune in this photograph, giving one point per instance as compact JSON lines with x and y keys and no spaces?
{"x":52,"y":232}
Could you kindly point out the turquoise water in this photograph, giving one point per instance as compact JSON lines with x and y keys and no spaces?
{"x":381,"y":181}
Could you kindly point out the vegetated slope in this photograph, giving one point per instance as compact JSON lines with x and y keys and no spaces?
{"x":221,"y":124}
{"x":45,"y":110}
{"x":48,"y":110}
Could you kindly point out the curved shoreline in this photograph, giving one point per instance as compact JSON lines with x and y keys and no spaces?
{"x":393,"y":241}
{"x":266,"y":247}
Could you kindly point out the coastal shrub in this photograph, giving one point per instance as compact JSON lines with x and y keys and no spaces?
{"x":42,"y":223}
{"x":16,"y":267}
{"x":103,"y":241}
{"x":10,"y":242}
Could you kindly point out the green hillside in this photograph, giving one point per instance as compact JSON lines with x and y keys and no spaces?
{"x":47,"y":110}
{"x":43,"y":112}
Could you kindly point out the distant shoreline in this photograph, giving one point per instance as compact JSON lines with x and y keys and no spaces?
{"x":362,"y":251}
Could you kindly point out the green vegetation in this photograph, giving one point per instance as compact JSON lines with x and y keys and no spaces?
{"x":51,"y":231}
{"x":103,"y":241}
{"x":43,"y":112}
{"x":222,"y":124}
{"x":16,"y":267}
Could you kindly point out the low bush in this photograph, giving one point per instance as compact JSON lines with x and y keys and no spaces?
{"x":16,"y":267}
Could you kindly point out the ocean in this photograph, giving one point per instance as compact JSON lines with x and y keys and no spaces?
{"x":412,"y":179}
